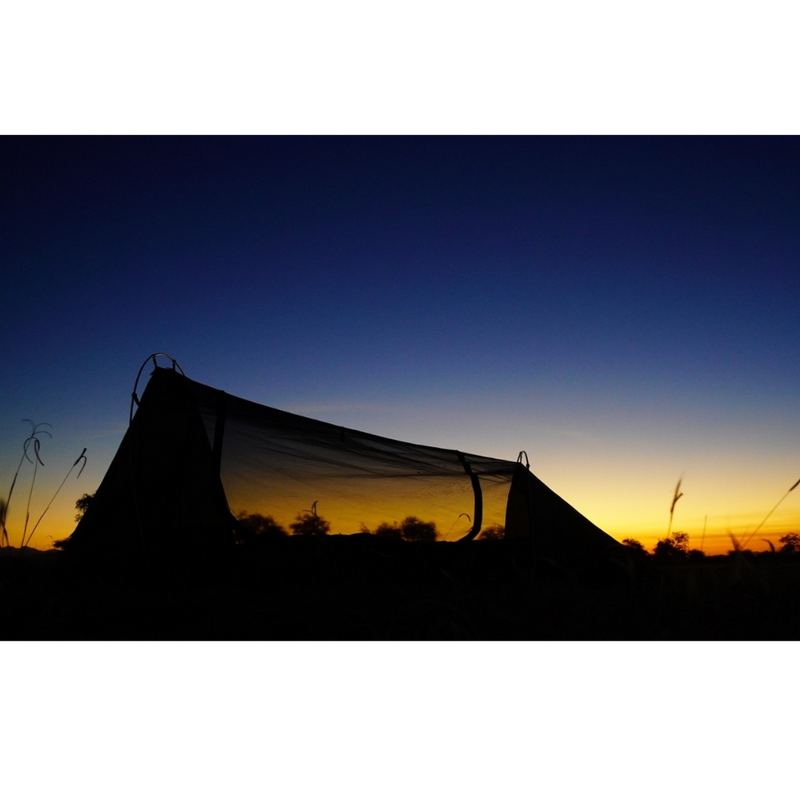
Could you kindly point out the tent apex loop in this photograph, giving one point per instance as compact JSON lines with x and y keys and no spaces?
{"x":154,"y":358}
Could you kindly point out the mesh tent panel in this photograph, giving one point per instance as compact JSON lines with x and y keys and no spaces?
{"x":279,"y":464}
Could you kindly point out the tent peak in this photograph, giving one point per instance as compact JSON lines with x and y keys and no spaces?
{"x":154,"y":358}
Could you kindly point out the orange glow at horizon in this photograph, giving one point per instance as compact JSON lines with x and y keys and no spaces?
{"x":347,"y":514}
{"x":57,"y":523}
{"x":710,"y":511}
{"x":711,"y":535}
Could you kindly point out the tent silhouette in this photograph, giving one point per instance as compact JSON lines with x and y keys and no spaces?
{"x":195,"y":459}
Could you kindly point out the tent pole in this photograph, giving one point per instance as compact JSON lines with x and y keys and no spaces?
{"x":219,"y":430}
{"x":476,"y":488}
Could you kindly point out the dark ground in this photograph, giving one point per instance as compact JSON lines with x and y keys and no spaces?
{"x":349,"y":588}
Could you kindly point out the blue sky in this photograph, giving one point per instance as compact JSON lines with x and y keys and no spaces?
{"x":622,"y":308}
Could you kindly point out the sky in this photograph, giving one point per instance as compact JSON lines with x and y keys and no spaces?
{"x":622,"y":308}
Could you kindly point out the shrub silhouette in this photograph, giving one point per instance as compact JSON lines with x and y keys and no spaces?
{"x":389,"y":531}
{"x":790,"y":544}
{"x":635,"y":545}
{"x":412,"y":529}
{"x":82,"y":505}
{"x":415,"y":530}
{"x":674,"y":546}
{"x":252,"y":526}
{"x":310,"y":524}
{"x":492,"y":532}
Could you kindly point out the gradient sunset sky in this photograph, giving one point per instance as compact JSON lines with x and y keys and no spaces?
{"x":625,"y":309}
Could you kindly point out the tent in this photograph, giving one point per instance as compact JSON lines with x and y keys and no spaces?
{"x":197,"y":466}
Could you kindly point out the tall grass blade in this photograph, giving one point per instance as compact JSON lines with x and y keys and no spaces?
{"x":677,"y":496}
{"x":30,"y":494}
{"x":35,"y":432}
{"x":758,"y":528}
{"x":81,"y":457}
{"x":3,"y":507}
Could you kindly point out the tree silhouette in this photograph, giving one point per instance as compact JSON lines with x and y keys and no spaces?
{"x":388,"y":531}
{"x":310,"y":524}
{"x":412,"y":529}
{"x":790,"y":543}
{"x":415,"y":530}
{"x":82,"y":505}
{"x":674,"y":546}
{"x":635,"y":545}
{"x":252,"y":526}
{"x":492,"y":532}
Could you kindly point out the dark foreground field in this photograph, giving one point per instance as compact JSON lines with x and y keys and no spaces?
{"x":346,"y":589}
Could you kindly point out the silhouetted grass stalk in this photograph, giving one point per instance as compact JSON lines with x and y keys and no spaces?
{"x":37,"y":460}
{"x":677,"y":496}
{"x":4,"y":537}
{"x":81,"y":457}
{"x":8,"y":499}
{"x":770,"y":514}
{"x":35,"y":432}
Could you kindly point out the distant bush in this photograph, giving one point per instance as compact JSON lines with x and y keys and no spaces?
{"x":635,"y":545}
{"x":415,"y":530}
{"x":388,"y":531}
{"x":492,"y":532}
{"x":674,"y":546}
{"x":253,"y":526}
{"x":310,"y":524}
{"x":412,"y":529}
{"x":790,"y":544}
{"x":82,"y":505}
